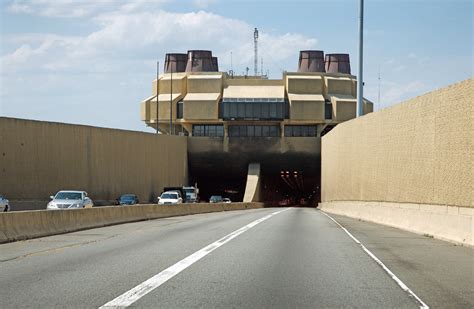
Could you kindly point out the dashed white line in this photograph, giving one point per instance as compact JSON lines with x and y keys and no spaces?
{"x":385,"y":268}
{"x":131,"y":296}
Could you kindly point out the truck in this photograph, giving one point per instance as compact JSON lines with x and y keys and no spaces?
{"x":189,"y":194}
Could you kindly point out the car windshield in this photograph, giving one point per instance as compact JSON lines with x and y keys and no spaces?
{"x":1,"y":197}
{"x":216,"y":198}
{"x":127,"y":197}
{"x":170,"y":195}
{"x":68,"y":196}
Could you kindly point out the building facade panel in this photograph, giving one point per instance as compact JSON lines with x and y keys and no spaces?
{"x":339,"y":85}
{"x":304,"y":84}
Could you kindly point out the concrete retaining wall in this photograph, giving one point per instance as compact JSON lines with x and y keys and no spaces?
{"x":39,"y":158}
{"x":408,"y":166}
{"x":30,"y":224}
{"x":419,"y":151}
{"x":450,"y":223}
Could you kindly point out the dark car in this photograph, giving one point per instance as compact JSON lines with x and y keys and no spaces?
{"x":128,"y":199}
{"x":215,"y":199}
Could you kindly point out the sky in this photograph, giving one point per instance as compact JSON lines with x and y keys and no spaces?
{"x":92,"y":61}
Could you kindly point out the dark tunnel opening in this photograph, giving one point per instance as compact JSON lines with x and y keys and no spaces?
{"x":291,"y":187}
{"x":280,"y":184}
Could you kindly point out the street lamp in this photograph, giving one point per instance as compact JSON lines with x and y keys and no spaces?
{"x":360,"y":78}
{"x":171,"y":102}
{"x":157,"y":93}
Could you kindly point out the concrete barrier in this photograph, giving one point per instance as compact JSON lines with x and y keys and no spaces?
{"x":38,"y":223}
{"x":451,"y":223}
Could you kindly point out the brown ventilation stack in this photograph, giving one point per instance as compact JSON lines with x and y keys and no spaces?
{"x":338,"y":63}
{"x":311,"y":61}
{"x":215,"y":64}
{"x":175,"y":63}
{"x":199,"y":61}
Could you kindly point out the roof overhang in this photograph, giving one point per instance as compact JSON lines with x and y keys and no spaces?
{"x":166,"y":97}
{"x":305,"y":97}
{"x":202,"y":97}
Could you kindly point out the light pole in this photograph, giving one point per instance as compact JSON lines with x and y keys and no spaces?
{"x":171,"y":102}
{"x":360,"y":78}
{"x":157,"y":93}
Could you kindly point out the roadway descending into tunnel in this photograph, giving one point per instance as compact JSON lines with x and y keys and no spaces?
{"x":260,"y":258}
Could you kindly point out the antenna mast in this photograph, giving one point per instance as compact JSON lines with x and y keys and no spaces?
{"x":255,"y":41}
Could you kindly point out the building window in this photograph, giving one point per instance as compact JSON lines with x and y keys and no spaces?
{"x":328,"y":110}
{"x":300,"y":131}
{"x":254,"y":131}
{"x":208,"y":130}
{"x":179,"y":110}
{"x":254,"y":108}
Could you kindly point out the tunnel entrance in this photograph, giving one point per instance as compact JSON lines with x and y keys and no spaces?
{"x":280,"y":184}
{"x":289,"y":168}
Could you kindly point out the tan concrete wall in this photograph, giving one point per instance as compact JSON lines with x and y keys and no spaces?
{"x":30,"y":224}
{"x":204,"y":84}
{"x":304,"y":84}
{"x":343,"y":108}
{"x":179,"y":84}
{"x":420,"y":151}
{"x":451,"y":223}
{"x":339,"y":85}
{"x":307,"y":110}
{"x":203,"y":110}
{"x":39,"y":158}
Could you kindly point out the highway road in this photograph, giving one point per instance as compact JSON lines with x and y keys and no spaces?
{"x":273,"y":258}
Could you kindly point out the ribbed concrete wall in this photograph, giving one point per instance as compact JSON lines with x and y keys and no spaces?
{"x":39,"y":158}
{"x":420,"y":151}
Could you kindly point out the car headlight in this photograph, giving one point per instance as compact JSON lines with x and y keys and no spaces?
{"x":76,"y":205}
{"x":52,"y":205}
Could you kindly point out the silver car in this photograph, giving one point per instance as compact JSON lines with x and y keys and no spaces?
{"x":70,"y":200}
{"x":4,"y":203}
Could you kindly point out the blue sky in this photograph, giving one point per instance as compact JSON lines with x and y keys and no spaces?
{"x":92,"y":62}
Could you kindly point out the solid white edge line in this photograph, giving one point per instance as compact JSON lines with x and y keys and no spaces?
{"x":400,"y":283}
{"x":133,"y":295}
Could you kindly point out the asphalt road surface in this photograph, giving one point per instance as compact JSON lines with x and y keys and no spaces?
{"x":272,"y":258}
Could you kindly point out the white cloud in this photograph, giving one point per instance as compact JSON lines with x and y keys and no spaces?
{"x":125,"y":38}
{"x":80,"y":8}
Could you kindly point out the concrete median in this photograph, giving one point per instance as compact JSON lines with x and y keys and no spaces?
{"x":22,"y":225}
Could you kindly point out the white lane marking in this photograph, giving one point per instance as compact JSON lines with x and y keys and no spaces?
{"x":131,"y":296}
{"x":387,"y":270}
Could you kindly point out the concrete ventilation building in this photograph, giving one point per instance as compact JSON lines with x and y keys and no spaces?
{"x":232,"y":121}
{"x":205,"y":102}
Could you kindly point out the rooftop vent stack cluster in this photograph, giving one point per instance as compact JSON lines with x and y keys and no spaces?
{"x":311,"y":61}
{"x":200,"y":61}
{"x":338,"y":63}
{"x":175,"y":63}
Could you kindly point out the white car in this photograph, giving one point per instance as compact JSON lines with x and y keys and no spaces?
{"x":70,"y":200}
{"x":170,"y":198}
{"x":226,"y":200}
{"x":4,"y":203}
